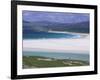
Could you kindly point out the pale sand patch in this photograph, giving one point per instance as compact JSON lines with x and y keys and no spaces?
{"x":85,"y":34}
{"x":79,"y":45}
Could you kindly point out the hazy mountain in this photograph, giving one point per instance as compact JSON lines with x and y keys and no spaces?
{"x":82,"y":27}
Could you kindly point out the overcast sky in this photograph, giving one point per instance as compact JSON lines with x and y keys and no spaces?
{"x":60,"y":17}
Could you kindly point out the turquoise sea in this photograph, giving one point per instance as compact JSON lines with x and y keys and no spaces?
{"x":57,"y":55}
{"x":47,"y":35}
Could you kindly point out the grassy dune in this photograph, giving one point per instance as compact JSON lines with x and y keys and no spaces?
{"x":43,"y":62}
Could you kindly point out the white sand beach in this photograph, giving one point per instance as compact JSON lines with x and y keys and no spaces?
{"x":85,"y":34}
{"x":78,"y":45}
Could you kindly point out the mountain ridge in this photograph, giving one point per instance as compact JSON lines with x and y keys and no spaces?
{"x":82,"y":27}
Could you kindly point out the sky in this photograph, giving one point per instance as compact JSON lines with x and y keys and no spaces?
{"x":60,"y":17}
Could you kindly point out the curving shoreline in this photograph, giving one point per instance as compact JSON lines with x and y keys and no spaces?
{"x":68,"y":32}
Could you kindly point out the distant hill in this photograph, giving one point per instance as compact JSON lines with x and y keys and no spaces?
{"x":82,"y":27}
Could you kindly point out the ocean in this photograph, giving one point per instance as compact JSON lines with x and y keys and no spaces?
{"x":58,"y":55}
{"x":47,"y":35}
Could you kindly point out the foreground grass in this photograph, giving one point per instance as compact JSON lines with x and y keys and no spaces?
{"x":43,"y":62}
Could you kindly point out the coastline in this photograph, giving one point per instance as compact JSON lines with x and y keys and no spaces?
{"x":44,"y":62}
{"x":85,"y":34}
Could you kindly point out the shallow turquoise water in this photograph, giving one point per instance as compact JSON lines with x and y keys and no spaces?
{"x":47,"y":35}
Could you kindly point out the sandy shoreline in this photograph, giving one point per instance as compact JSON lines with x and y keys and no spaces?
{"x":85,"y":34}
{"x":79,"y":45}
